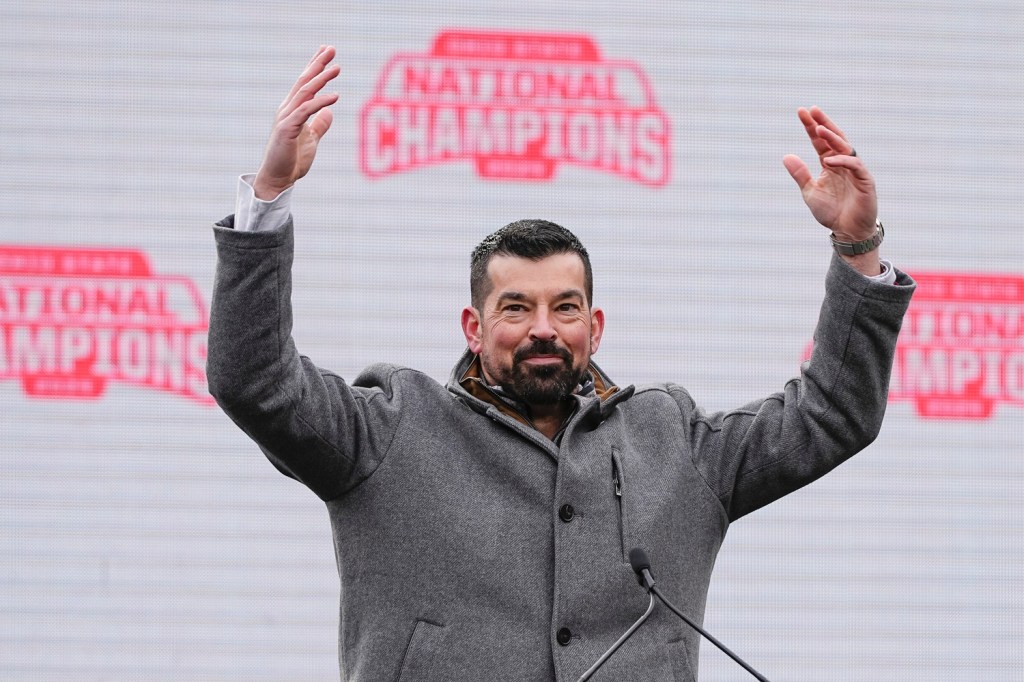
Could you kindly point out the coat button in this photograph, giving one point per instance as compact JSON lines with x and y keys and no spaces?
{"x":566,"y":513}
{"x":563,"y":636}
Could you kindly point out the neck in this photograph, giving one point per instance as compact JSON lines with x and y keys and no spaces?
{"x":548,"y":419}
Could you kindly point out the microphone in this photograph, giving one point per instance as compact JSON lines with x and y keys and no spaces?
{"x":642,"y":567}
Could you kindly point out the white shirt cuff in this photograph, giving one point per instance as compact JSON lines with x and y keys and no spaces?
{"x":887,"y":275}
{"x":256,"y":215}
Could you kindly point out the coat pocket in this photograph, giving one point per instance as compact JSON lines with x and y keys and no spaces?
{"x":619,"y":487}
{"x":418,"y":662}
{"x":679,"y":656}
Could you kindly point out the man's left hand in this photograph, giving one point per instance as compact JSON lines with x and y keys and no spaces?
{"x":842,"y":197}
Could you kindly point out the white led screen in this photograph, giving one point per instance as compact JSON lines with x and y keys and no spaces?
{"x":144,"y":537}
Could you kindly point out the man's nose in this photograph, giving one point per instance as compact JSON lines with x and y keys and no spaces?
{"x":542,"y":328}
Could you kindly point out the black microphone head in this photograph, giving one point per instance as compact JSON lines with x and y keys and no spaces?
{"x":638,"y":560}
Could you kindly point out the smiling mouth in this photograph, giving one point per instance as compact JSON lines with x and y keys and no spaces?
{"x":542,"y":354}
{"x":544,"y":360}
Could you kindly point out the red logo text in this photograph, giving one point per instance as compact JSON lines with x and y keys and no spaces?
{"x":517,"y":105}
{"x":73,"y":319}
{"x":961,"y":348}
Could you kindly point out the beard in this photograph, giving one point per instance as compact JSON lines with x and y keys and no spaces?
{"x":540,"y":385}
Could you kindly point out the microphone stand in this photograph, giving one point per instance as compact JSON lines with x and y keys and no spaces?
{"x":642,"y":566}
{"x":730,"y":654}
{"x":626,"y":635}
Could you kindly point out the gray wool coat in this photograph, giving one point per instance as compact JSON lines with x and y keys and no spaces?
{"x":457,"y":556}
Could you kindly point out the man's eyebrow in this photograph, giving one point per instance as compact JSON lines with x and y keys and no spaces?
{"x":520,"y":296}
{"x":511,"y":296}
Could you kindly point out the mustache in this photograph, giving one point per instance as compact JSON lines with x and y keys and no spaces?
{"x":542,"y":348}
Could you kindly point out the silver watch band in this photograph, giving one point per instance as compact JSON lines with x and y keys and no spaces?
{"x":857,"y":248}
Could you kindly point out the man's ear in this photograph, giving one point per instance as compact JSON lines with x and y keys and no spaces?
{"x":471,"y":325}
{"x":596,"y":329}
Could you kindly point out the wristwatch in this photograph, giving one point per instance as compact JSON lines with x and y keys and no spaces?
{"x":857,"y":248}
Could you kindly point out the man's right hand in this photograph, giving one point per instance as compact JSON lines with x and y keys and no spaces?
{"x":302,"y":119}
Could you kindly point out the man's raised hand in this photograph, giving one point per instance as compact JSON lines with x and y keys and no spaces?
{"x":302,"y":119}
{"x":842,"y":197}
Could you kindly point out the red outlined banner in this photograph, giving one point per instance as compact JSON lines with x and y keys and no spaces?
{"x":960,"y":351}
{"x":517,"y":105}
{"x":74,"y":319}
{"x":961,"y":348}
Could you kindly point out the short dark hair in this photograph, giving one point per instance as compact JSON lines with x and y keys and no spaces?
{"x":531,"y":238}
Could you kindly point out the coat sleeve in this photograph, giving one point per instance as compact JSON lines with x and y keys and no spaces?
{"x":834,"y":409}
{"x":309,"y":422}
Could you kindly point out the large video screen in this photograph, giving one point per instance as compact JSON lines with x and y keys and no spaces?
{"x":145,"y":537}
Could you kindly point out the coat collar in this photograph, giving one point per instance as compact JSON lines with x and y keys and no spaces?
{"x":468,"y":376}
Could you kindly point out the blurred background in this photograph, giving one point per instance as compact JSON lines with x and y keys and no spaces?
{"x":142,"y":536}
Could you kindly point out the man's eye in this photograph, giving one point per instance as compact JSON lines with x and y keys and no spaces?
{"x":568,"y":307}
{"x":514,"y":308}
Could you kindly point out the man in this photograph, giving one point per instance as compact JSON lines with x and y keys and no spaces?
{"x":482,"y":528}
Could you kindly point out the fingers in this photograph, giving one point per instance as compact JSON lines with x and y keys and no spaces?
{"x":850,"y":163}
{"x":297,"y":117}
{"x":822,"y":119}
{"x":322,"y":57}
{"x":313,"y":78}
{"x":319,"y":51}
{"x":827,"y":137}
{"x":837,"y":142}
{"x":321,"y":122}
{"x":308,"y":90}
{"x":798,"y":170}
{"x":811,"y":127}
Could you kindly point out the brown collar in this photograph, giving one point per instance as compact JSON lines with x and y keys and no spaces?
{"x":473,"y":382}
